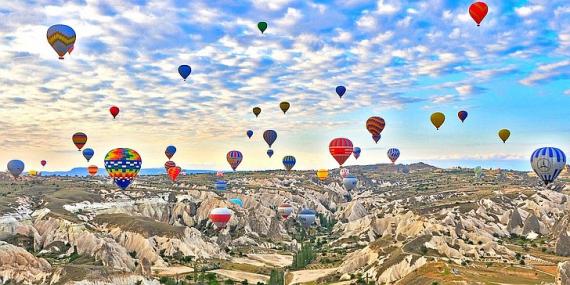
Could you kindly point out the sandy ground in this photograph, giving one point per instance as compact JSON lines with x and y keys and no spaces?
{"x":252,"y":278}
{"x":171,"y":270}
{"x":304,"y":276}
{"x":246,"y":260}
{"x":278,"y":260}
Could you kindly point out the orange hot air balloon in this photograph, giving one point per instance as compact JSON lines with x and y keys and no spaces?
{"x":92,"y":170}
{"x":322,"y":174}
{"x":375,"y":125}
{"x":173,"y":172}
{"x":79,"y":139}
{"x":504,"y":134}
{"x":437,"y":119}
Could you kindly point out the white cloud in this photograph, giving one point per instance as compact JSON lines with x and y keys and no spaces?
{"x":387,"y":8}
{"x":547,"y":72}
{"x":292,"y":17}
{"x":464,"y":89}
{"x":271,"y":4}
{"x":443,"y":99}
{"x":366,"y":21}
{"x":567,"y":92}
{"x":526,"y":11}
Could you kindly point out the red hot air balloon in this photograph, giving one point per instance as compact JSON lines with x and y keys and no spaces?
{"x":79,"y":139}
{"x":341,"y":149}
{"x":220,"y":217}
{"x":43,"y":163}
{"x":169,"y":164}
{"x":114,"y":110}
{"x":478,"y":11}
{"x":173,"y":172}
{"x":375,"y":125}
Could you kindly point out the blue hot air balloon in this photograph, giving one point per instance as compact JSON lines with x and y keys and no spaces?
{"x":356,"y":152}
{"x":340,"y":90}
{"x":88,"y":153}
{"x":184,"y":71}
{"x":270,"y":136}
{"x":393,"y":154}
{"x":16,"y":167}
{"x":289,"y":161}
{"x":249,"y":133}
{"x":221,"y":185}
{"x":270,"y":153}
{"x":237,"y":201}
{"x":170,"y":151}
{"x":61,"y":38}
{"x":307,"y":217}
{"x":349,"y":182}
{"x":547,"y":163}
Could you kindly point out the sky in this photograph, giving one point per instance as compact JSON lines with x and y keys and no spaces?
{"x":401,"y":60}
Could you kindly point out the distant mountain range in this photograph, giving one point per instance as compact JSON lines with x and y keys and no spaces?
{"x":82,"y":171}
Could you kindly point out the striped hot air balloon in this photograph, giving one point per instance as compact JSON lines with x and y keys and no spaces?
{"x":375,"y":125}
{"x":340,"y":149}
{"x":307,"y":217}
{"x":169,"y":164}
{"x":270,"y":136}
{"x":79,"y":139}
{"x":61,"y":38}
{"x":123,"y":165}
{"x":285,"y":210}
{"x":234,"y":158}
{"x":393,"y":154}
{"x":547,"y":163}
{"x":221,"y":185}
{"x":289,"y":161}
{"x":220,"y":217}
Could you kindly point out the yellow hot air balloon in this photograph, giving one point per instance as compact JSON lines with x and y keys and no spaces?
{"x":437,"y":119}
{"x":284,"y":106}
{"x":32,"y":173}
{"x":504,"y":134}
{"x":322,"y":174}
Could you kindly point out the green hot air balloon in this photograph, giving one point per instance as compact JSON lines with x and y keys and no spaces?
{"x":262,"y":26}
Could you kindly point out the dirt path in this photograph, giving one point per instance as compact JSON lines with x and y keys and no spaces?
{"x":278,"y":260}
{"x":252,"y":278}
{"x":303,"y":276}
{"x":171,"y":270}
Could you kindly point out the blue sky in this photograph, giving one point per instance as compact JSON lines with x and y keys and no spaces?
{"x":401,"y":60}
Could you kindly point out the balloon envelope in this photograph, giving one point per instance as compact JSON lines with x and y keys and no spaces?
{"x":356,"y":152}
{"x":547,"y":163}
{"x":221,"y":185}
{"x":462,"y":115}
{"x":220,"y":174}
{"x":92,"y":170}
{"x":88,"y":153}
{"x":234,"y":158}
{"x":43,"y":163}
{"x":285,"y":210}
{"x":307,"y":217}
{"x":220,"y":217}
{"x":270,"y":153}
{"x":344,"y":172}
{"x":284,"y":106}
{"x":478,"y":11}
{"x":173,"y":172}
{"x":61,"y":38}
{"x":393,"y":154}
{"x":289,"y":161}
{"x":349,"y":182}
{"x":322,"y":174}
{"x":270,"y":136}
{"x":168,"y":165}
{"x":114,"y":110}
{"x":237,"y":201}
{"x":437,"y":119}
{"x":340,"y":90}
{"x":170,"y":151}
{"x":376,"y":138}
{"x":79,"y":139}
{"x":16,"y":167}
{"x":262,"y":26}
{"x":340,"y":149}
{"x":249,"y":133}
{"x":184,"y":71}
{"x":504,"y":134}
{"x":256,"y":111}
{"x":123,"y":165}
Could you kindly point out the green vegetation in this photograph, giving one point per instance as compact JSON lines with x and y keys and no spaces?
{"x":303,"y":257}
{"x":277,"y":277}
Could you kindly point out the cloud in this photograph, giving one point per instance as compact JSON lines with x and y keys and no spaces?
{"x":444,"y":99}
{"x":465,"y":90}
{"x":547,"y":72}
{"x":526,"y":11}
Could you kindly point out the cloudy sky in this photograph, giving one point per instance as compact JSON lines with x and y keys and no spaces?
{"x":401,"y":60}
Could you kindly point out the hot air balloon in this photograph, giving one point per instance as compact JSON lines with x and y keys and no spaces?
{"x":256,"y":111}
{"x":173,"y":172}
{"x":307,"y":217}
{"x":234,"y":158}
{"x":123,"y":165}
{"x":547,"y":163}
{"x":220,"y":217}
{"x":356,"y":152}
{"x":220,"y":174}
{"x":43,"y":163}
{"x":340,"y":90}
{"x":249,"y":133}
{"x":262,"y":26}
{"x":284,"y":106}
{"x":16,"y":167}
{"x":114,"y":110}
{"x":437,"y":119}
{"x":79,"y":139}
{"x":184,"y":71}
{"x":270,"y":153}
{"x":393,"y":154}
{"x":478,"y":11}
{"x":270,"y":136}
{"x":221,"y":185}
{"x":88,"y":153}
{"x":33,"y":173}
{"x":289,"y":161}
{"x":349,"y":182}
{"x":92,"y":170}
{"x":170,"y":151}
{"x":504,"y":134}
{"x":375,"y":125}
{"x":169,"y":164}
{"x":344,"y":172}
{"x":61,"y":38}
{"x":340,"y":149}
{"x":322,"y":174}
{"x":237,"y":201}
{"x":376,"y":138}
{"x":462,"y":115}
{"x":285,"y":210}
{"x":478,"y":171}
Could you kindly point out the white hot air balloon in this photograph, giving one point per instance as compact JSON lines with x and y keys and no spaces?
{"x":547,"y":163}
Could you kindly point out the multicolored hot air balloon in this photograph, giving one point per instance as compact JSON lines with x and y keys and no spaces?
{"x":393,"y":154}
{"x":504,"y":134}
{"x":234,"y":158}
{"x":256,"y":111}
{"x":169,"y":164}
{"x":61,"y":38}
{"x":79,"y":139}
{"x":322,"y":174}
{"x":220,"y":217}
{"x":340,"y":149}
{"x":285,"y":210}
{"x":375,"y":126}
{"x":349,"y":182}
{"x":262,"y":26}
{"x":173,"y":172}
{"x":437,"y":119}
{"x":220,"y":174}
{"x":356,"y":152}
{"x":184,"y":71}
{"x":170,"y":151}
{"x":249,"y":133}
{"x":462,"y":115}
{"x":123,"y":165}
{"x":284,"y":106}
{"x":344,"y":172}
{"x":270,"y":153}
{"x":114,"y":110}
{"x":88,"y":153}
{"x":43,"y":163}
{"x":376,"y":138}
{"x":307,"y":217}
{"x":92,"y":170}
{"x":547,"y":163}
{"x":16,"y":167}
{"x":478,"y":11}
{"x":237,"y":201}
{"x":270,"y":136}
{"x":340,"y":90}
{"x":221,"y":185}
{"x":289,"y":161}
